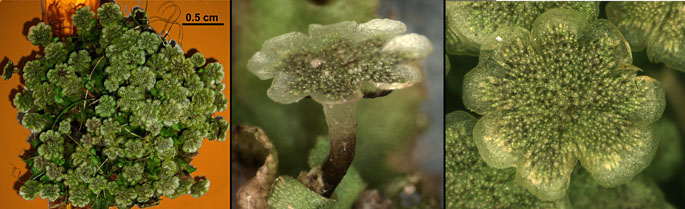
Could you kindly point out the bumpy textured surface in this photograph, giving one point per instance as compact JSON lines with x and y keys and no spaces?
{"x":40,"y":34}
{"x":289,"y":193}
{"x":641,"y":192}
{"x":469,"y":23}
{"x":657,"y":26}
{"x":343,"y":197}
{"x":341,"y":62}
{"x":116,"y":113}
{"x":470,"y":182}
{"x":564,"y":92}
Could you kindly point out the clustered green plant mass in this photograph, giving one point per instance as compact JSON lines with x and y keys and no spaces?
{"x":116,"y":113}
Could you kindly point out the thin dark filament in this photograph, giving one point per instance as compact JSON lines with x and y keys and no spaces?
{"x":170,"y":21}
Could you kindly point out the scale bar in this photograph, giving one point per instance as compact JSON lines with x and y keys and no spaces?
{"x":192,"y":23}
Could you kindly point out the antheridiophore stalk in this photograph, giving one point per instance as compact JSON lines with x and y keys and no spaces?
{"x":342,"y":133}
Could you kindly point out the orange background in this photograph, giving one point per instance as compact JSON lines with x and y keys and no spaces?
{"x":211,"y":41}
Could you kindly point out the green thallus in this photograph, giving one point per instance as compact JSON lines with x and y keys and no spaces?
{"x":116,"y":113}
{"x":471,"y":183}
{"x":337,"y":65}
{"x":560,"y":93}
{"x":470,"y":23}
{"x":657,"y":26}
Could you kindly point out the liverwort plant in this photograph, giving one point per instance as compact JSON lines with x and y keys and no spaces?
{"x":116,"y":113}
{"x":468,"y":24}
{"x":560,"y":93}
{"x":657,"y":26}
{"x":8,"y":70}
{"x":471,"y":183}
{"x":337,"y":65}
